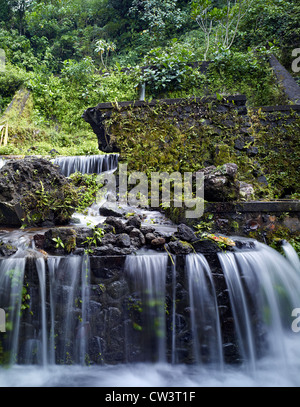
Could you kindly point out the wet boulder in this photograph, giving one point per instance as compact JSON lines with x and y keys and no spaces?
{"x":123,"y":240}
{"x":108,"y":209}
{"x":61,"y":240}
{"x":158,"y":242}
{"x":137,"y":238}
{"x":185,"y":233}
{"x":34,"y":193}
{"x":7,"y":249}
{"x":220,"y":183}
{"x":116,"y":223}
{"x":134,"y":221}
{"x":147,"y":229}
{"x":178,"y":247}
{"x":246,"y":191}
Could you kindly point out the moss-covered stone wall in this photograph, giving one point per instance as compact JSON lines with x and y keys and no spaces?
{"x":190,"y":134}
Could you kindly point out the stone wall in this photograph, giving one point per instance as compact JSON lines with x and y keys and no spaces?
{"x":194,"y":109}
{"x":190,"y":134}
{"x":116,"y":330}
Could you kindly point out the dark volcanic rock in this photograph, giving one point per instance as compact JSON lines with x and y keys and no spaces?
{"x":147,"y":229}
{"x":137,"y":238}
{"x":123,"y":240}
{"x":110,"y":250}
{"x":109,"y":238}
{"x":149,"y":237}
{"x":134,"y":221}
{"x":111,"y":210}
{"x":179,"y":247}
{"x":116,"y":223}
{"x":63,"y":239}
{"x":206,"y":246}
{"x":185,"y":233}
{"x":34,"y":189}
{"x":220,"y":184}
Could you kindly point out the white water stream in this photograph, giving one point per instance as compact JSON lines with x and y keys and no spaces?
{"x":263,"y":286}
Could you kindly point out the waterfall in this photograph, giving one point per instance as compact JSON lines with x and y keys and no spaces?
{"x":92,"y":164}
{"x":230,"y":317}
{"x":66,"y":300}
{"x":40,"y":264}
{"x":2,"y":162}
{"x":240,"y":308}
{"x":291,"y":255}
{"x":205,"y":321}
{"x":264,"y":288}
{"x":142,"y":93}
{"x":173,"y":327}
{"x":81,"y":337}
{"x":12,"y":293}
{"x":148,"y":276}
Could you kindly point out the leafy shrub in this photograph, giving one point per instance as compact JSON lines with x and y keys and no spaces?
{"x":10,"y":81}
{"x":245,"y":73}
{"x":18,"y":50}
{"x":168,"y":69}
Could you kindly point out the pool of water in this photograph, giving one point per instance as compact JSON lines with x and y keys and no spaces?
{"x":269,"y":372}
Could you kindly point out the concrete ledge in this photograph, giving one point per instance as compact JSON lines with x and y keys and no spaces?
{"x":253,"y":206}
{"x":284,"y":108}
{"x":239,"y":100}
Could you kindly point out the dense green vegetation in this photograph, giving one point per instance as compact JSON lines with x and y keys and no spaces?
{"x":71,"y":55}
{"x":68,"y":55}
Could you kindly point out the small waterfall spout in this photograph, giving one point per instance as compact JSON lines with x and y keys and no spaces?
{"x":291,"y":255}
{"x":12,"y":295}
{"x":148,"y":276}
{"x":69,"y":308}
{"x":205,"y":321}
{"x":93,"y":164}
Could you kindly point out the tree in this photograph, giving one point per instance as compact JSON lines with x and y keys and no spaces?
{"x":5,"y":10}
{"x":19,"y":8}
{"x":219,"y":24}
{"x":104,"y":47}
{"x":157,"y":15}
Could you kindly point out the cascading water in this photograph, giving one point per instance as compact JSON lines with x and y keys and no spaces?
{"x":262,"y":287}
{"x":41,"y":271}
{"x":11,"y":294}
{"x":66,"y":275}
{"x":205,"y":320}
{"x":148,"y":276}
{"x":93,"y":164}
{"x":291,"y":255}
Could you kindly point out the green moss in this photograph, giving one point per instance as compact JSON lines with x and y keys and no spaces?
{"x":223,"y":155}
{"x":191,"y":135}
{"x":43,"y":204}
{"x":277,"y":139}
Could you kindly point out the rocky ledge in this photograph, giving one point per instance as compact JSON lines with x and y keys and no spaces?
{"x":122,"y":236}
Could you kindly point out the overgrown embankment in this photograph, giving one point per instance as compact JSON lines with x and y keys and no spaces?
{"x":187,"y":135}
